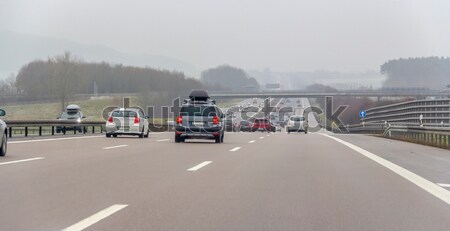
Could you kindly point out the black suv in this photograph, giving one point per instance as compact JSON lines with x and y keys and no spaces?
{"x":199,"y":118}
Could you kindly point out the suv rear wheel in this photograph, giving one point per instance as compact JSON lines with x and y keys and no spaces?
{"x":4,"y":145}
{"x":219,"y":139}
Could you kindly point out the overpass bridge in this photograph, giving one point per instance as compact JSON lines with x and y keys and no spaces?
{"x":419,"y":94}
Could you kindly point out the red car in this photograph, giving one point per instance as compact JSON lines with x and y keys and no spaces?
{"x":262,"y":125}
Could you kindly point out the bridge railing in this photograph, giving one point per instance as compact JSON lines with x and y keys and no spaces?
{"x":431,"y":112}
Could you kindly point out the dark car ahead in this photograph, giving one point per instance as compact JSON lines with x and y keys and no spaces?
{"x":199,"y":118}
{"x":262,"y":125}
{"x":245,"y":126}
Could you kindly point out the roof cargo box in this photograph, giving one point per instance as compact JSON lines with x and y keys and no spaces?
{"x":73,"y":107}
{"x":199,"y":95}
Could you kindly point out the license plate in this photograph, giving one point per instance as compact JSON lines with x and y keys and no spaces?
{"x":197,"y":123}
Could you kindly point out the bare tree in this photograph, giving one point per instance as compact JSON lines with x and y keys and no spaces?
{"x":64,"y":79}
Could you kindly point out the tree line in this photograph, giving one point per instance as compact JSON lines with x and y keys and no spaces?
{"x":228,"y":78}
{"x":63,"y":76}
{"x":426,"y":72}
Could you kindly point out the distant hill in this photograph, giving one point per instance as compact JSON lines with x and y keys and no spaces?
{"x":17,"y":50}
{"x":338,"y":80}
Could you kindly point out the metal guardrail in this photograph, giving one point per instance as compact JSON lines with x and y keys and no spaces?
{"x":41,"y":127}
{"x":432,"y":136}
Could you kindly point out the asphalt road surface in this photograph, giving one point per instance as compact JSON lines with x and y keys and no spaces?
{"x":253,"y":181}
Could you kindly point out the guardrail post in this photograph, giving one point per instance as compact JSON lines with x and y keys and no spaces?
{"x":447,"y":141}
{"x":40,"y":130}
{"x":93,"y":129}
{"x":10,"y":132}
{"x":26,"y":131}
{"x":74,"y":130}
{"x":53,"y":130}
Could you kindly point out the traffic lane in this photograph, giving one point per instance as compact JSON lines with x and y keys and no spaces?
{"x":82,"y":148}
{"x":287,"y":182}
{"x":22,"y":149}
{"x":19,"y":149}
{"x":429,"y":162}
{"x":72,"y":186}
{"x":53,"y":185}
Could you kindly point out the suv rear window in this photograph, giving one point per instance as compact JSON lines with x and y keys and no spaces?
{"x":193,"y":110}
{"x":72,"y":112}
{"x":70,"y":115}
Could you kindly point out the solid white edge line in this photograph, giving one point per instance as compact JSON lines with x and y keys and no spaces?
{"x":199,"y":166}
{"x":162,"y":140}
{"x":444,"y":185}
{"x":52,"y":139}
{"x":24,"y":160}
{"x":421,"y":182}
{"x":118,"y":146}
{"x":95,"y":218}
{"x":252,"y":141}
{"x":235,"y":149}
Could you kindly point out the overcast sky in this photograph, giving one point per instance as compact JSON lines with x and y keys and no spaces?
{"x":347,"y":35}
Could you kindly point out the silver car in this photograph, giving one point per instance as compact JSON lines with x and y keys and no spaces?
{"x":3,"y":134}
{"x":297,"y":123}
{"x":127,"y":121}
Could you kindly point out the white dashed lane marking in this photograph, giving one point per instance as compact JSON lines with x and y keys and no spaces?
{"x":20,"y":161}
{"x":235,"y":149}
{"x":118,"y":146}
{"x":95,"y":218}
{"x":199,"y":166}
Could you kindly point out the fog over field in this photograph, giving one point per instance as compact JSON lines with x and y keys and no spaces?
{"x":349,"y":36}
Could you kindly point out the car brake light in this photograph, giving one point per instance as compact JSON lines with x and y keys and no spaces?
{"x":215,"y":120}
{"x":179,"y":120}
{"x":110,"y":119}
{"x":136,"y":120}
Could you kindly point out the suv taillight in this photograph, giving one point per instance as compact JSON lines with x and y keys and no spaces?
{"x":136,"y":120}
{"x":216,"y":120}
{"x":179,"y":120}
{"x":110,"y":119}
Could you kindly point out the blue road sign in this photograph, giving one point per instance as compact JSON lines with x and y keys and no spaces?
{"x":362,"y":114}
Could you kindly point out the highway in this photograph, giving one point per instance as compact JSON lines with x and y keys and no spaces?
{"x":253,"y":181}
